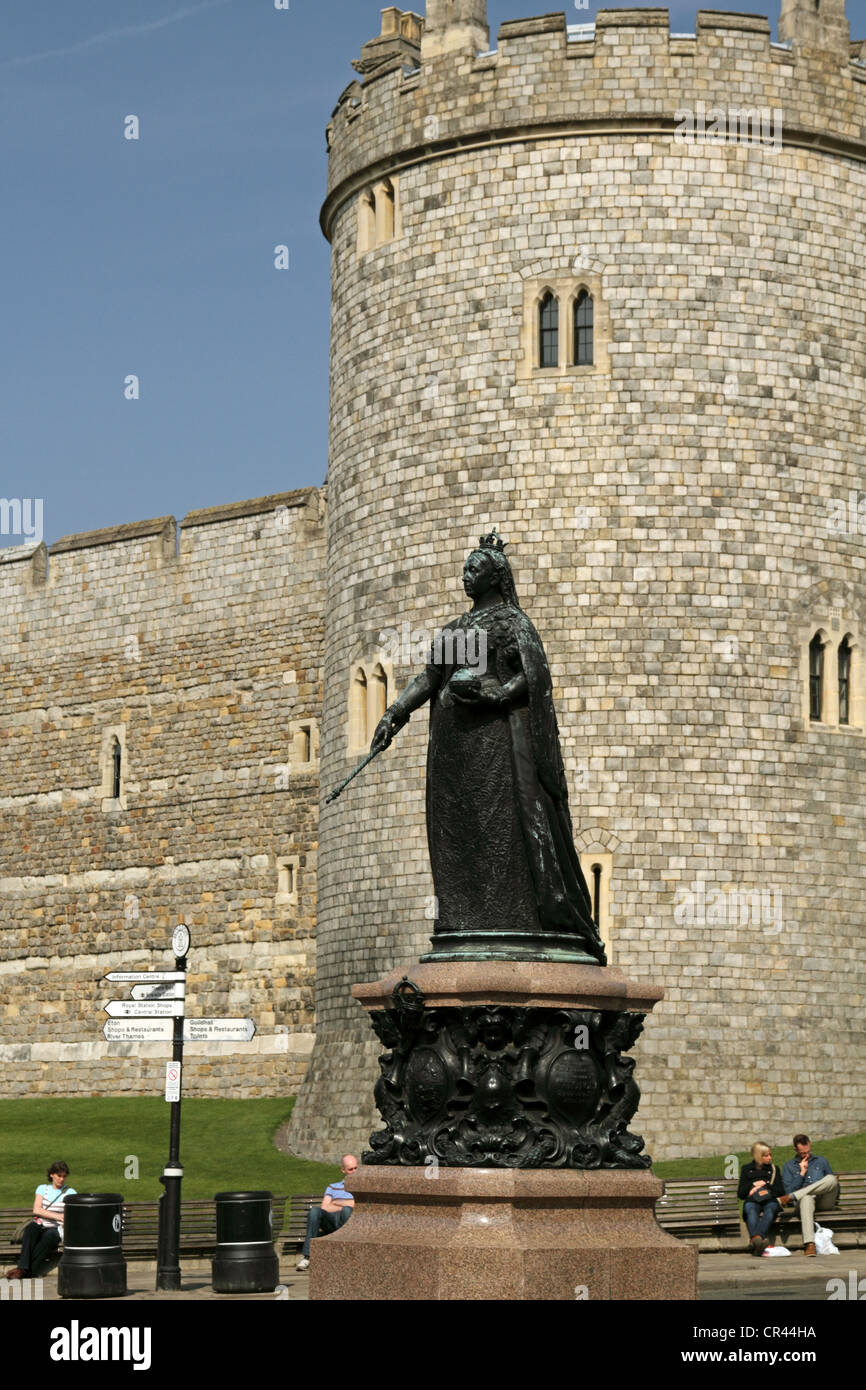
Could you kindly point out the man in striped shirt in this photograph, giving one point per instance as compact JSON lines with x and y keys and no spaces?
{"x":334,"y":1212}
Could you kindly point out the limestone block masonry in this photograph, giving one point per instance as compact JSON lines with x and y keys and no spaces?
{"x":201,"y":649}
{"x":668,"y":521}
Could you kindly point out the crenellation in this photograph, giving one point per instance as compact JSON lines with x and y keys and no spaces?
{"x":630,"y":70}
{"x":110,"y":535}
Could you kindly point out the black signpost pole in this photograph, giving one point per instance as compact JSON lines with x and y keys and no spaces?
{"x":168,"y":1239}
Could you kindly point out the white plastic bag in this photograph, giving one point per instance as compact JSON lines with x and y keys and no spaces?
{"x":824,"y":1241}
{"x":776,"y":1250}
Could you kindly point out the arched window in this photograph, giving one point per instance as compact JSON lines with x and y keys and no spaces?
{"x":816,"y":677}
{"x":844,"y":660}
{"x":378,"y":697}
{"x":116,"y":768}
{"x":596,"y":894}
{"x":303,"y":744}
{"x":583,"y":330}
{"x":358,"y":710}
{"x":548,"y":331}
{"x":368,"y":221}
{"x":385,"y":212}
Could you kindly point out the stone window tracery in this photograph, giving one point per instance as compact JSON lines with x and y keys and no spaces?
{"x":378,"y":215}
{"x":369,"y":687}
{"x":832,"y":675}
{"x":566,"y":327}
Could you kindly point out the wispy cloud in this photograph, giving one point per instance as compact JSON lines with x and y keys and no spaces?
{"x":128,"y":31}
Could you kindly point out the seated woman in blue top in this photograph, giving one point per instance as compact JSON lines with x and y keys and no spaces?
{"x":759,"y":1190}
{"x":43,"y":1235}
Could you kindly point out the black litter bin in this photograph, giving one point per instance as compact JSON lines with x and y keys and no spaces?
{"x":245,"y":1260}
{"x":92,"y":1263}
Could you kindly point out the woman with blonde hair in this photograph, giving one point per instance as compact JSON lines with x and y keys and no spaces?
{"x":759,"y":1190}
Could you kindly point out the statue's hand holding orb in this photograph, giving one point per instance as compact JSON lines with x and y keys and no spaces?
{"x":471,"y":689}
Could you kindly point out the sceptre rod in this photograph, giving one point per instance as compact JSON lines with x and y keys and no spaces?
{"x":344,"y":784}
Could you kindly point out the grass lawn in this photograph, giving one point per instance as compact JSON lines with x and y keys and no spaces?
{"x":225,"y":1145}
{"x":846,"y":1155}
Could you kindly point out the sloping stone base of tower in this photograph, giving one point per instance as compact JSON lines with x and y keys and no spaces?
{"x":335,"y":1111}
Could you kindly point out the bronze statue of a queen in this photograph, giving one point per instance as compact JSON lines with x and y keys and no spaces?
{"x":506,"y":875}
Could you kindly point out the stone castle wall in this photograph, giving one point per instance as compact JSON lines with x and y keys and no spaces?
{"x":668,"y":520}
{"x":202,"y":652}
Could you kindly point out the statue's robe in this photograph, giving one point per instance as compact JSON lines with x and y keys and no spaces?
{"x":498,"y":824}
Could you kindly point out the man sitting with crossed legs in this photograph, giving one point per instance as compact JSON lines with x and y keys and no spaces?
{"x":809,"y":1183}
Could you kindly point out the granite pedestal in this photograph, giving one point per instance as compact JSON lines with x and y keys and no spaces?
{"x":502,"y":1234}
{"x":516,"y":1067}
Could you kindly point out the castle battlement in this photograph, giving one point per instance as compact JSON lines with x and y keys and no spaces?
{"x":100,"y":582}
{"x":626,"y":72}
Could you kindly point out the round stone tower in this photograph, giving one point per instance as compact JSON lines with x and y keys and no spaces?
{"x":601,"y":288}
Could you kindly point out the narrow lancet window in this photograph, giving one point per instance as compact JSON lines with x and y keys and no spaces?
{"x":379,"y":693}
{"x":358,"y":710}
{"x":596,"y":894}
{"x":845,"y":680}
{"x":116,"y":768}
{"x":816,"y":677}
{"x":583,"y":330}
{"x":548,"y":331}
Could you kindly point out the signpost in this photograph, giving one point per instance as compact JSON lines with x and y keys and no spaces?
{"x":158,"y":991}
{"x":138,"y":1030}
{"x":194,"y":1030}
{"x":151,"y":1008}
{"x":168,"y":1236}
{"x":128,"y":977}
{"x":218,"y":1029}
{"x":156,"y":1014}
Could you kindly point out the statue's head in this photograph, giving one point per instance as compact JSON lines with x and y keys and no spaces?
{"x":487,"y":568}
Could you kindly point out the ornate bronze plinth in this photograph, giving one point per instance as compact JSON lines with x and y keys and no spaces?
{"x":494,"y":1087}
{"x":507,"y":1065}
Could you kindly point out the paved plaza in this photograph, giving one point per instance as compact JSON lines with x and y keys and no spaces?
{"x":732,"y":1278}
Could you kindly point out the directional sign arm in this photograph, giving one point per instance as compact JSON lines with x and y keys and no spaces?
{"x":166,"y":991}
{"x":145,"y":1008}
{"x":145,"y":977}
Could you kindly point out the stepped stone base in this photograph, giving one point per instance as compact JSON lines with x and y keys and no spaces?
{"x":502,"y":1234}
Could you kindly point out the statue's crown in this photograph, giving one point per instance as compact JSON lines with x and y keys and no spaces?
{"x":492,"y":541}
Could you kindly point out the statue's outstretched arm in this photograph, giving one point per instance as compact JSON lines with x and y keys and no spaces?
{"x":416,"y":694}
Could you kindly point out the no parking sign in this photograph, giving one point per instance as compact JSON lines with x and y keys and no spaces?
{"x":172,"y":1081}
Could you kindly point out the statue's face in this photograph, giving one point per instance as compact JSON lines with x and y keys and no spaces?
{"x":478,"y":575}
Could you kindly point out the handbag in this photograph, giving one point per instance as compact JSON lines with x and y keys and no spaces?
{"x":763,"y":1197}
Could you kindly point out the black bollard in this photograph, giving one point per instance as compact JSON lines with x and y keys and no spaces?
{"x":245,"y":1260}
{"x":92,"y":1263}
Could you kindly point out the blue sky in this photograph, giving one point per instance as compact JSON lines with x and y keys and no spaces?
{"x":155,"y":256}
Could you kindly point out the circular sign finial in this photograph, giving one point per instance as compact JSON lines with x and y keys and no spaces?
{"x":180,"y":940}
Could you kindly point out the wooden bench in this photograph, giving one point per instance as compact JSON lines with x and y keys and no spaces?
{"x":296,"y":1225}
{"x":695,"y":1207}
{"x":11,"y":1218}
{"x":141,"y":1228}
{"x":706,"y":1211}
